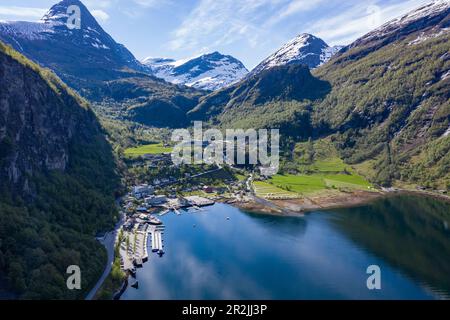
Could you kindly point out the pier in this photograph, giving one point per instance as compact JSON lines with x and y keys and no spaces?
{"x":197,"y":201}
{"x":134,"y":248}
{"x":157,"y":242}
{"x":164,"y":212}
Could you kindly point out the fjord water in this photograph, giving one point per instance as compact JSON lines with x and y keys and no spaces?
{"x":323,"y":255}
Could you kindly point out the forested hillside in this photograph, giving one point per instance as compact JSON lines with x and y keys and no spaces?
{"x":391,"y":107}
{"x":58,"y":178}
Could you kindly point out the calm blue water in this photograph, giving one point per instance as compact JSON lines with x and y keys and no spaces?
{"x":321,"y":256}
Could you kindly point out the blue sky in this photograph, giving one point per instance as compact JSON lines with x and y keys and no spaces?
{"x":250,"y":30}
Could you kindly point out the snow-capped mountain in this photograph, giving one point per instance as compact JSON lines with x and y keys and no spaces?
{"x":304,"y":49}
{"x":211,"y":71}
{"x":431,"y":19}
{"x":76,"y":55}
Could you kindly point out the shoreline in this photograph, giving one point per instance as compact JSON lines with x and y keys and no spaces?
{"x":430,"y":194}
{"x":304,"y":205}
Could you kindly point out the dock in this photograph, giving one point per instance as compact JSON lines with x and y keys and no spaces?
{"x":157,"y":242}
{"x":136,"y":253}
{"x":197,"y":201}
{"x":164,"y":212}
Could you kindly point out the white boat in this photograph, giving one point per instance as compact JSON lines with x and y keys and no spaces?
{"x":154,"y":221}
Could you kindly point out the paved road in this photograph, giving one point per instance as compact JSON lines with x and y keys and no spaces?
{"x":108,"y":241}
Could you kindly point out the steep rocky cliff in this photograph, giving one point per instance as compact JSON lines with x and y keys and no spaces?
{"x":38,"y":121}
{"x":57,"y":181}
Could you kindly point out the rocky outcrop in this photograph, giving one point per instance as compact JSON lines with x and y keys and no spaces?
{"x":39,"y":119}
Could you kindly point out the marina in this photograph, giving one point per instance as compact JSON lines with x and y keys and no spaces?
{"x":142,"y":232}
{"x":134,"y":244}
{"x":142,"y":229}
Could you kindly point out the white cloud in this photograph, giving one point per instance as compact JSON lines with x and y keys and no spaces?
{"x":213,"y":23}
{"x":22,"y":12}
{"x":102,"y":4}
{"x":139,"y":8}
{"x":293,"y":7}
{"x":100,"y":15}
{"x":151,"y":3}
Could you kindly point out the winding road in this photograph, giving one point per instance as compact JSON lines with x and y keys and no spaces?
{"x":108,"y":241}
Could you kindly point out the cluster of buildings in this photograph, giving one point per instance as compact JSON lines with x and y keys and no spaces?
{"x":142,"y":200}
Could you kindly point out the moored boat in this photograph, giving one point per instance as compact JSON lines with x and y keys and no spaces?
{"x":154,"y":221}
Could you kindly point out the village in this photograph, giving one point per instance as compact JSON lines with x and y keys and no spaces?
{"x":141,"y":233}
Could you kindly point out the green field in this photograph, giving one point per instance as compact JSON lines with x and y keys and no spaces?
{"x":329,"y":165}
{"x":147,"y":149}
{"x":308,"y":184}
{"x":300,"y":183}
{"x":265,"y":190}
{"x":348,"y":179}
{"x":316,"y":167}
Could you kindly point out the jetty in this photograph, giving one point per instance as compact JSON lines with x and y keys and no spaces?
{"x":197,"y":201}
{"x":157,"y":242}
{"x":164,"y":212}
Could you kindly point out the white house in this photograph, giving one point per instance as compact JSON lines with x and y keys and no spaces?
{"x":156,"y":200}
{"x":142,"y":191}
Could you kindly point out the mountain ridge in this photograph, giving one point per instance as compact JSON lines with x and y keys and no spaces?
{"x":425,"y":18}
{"x":306,"y":49}
{"x":211,"y":71}
{"x":279,"y":84}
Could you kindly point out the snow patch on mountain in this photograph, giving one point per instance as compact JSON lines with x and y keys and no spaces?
{"x":52,"y":23}
{"x":52,"y":44}
{"x":425,"y":36}
{"x":305,"y":49}
{"x":424,"y":12}
{"x":447,"y":133}
{"x":328,"y":53}
{"x":207,"y":72}
{"x":445,"y":75}
{"x":290,"y":51}
{"x":28,"y":30}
